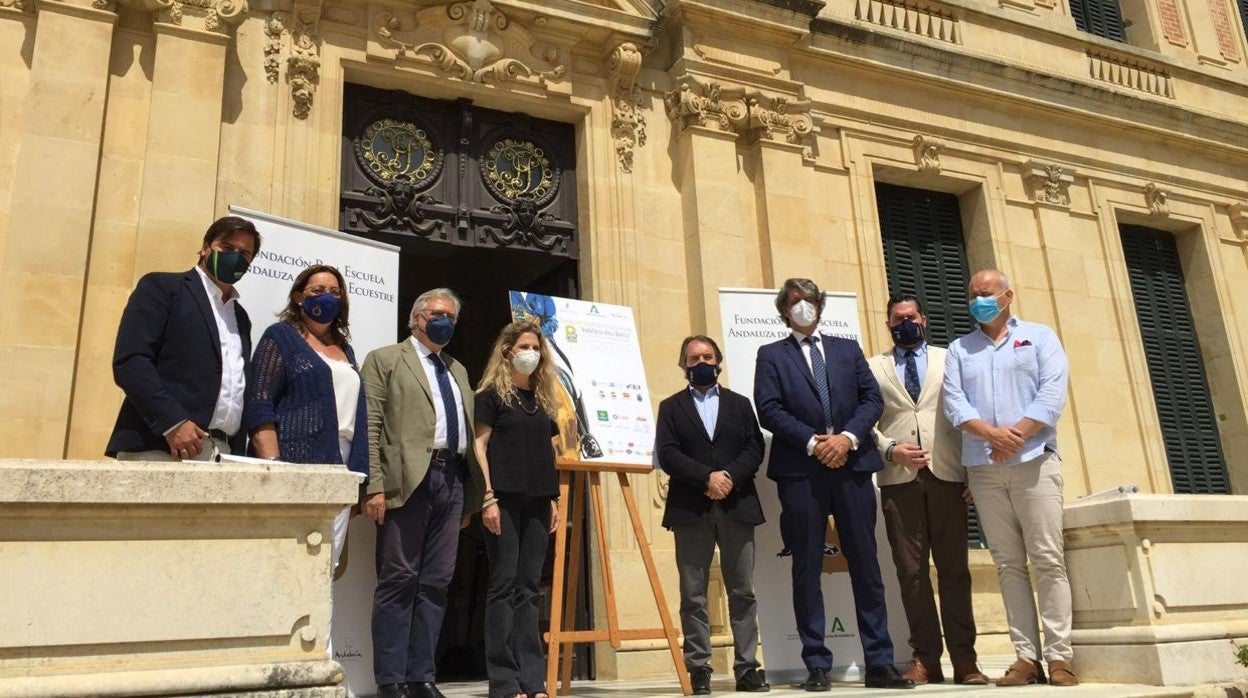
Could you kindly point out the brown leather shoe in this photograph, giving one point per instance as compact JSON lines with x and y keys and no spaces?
{"x":1061,"y":675}
{"x":966,"y":671}
{"x":1021,"y":673}
{"x":920,"y":672}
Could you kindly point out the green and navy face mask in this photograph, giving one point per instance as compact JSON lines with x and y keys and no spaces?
{"x":227,"y":267}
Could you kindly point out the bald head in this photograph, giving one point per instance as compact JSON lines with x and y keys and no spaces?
{"x":988,"y":281}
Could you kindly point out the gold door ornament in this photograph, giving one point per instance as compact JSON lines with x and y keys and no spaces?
{"x":394,"y":151}
{"x":514,"y":169}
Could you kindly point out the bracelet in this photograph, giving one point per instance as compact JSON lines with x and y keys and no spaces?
{"x":489,"y":502}
{"x":888,"y":452}
{"x":488,"y":492}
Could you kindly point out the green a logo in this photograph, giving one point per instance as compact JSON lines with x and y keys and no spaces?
{"x":837,"y":625}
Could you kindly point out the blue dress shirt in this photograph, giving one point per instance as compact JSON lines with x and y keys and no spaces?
{"x":920,"y":362}
{"x":707,"y":405}
{"x":1023,"y":376}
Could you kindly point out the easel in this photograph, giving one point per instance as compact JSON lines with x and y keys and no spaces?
{"x":574,"y":474}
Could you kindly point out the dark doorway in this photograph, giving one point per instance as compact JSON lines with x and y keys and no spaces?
{"x":482,"y":202}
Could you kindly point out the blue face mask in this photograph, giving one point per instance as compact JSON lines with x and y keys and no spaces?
{"x":440,"y":329}
{"x":984,"y":309}
{"x":323,"y":308}
{"x":702,"y":375}
{"x":907,"y":333}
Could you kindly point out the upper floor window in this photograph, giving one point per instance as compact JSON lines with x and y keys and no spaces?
{"x":1103,"y":18}
{"x":1243,"y":14}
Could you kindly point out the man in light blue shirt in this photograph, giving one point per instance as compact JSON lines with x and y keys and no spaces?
{"x":1005,"y":387}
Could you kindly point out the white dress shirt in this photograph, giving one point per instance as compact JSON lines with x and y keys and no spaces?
{"x":227,"y":415}
{"x":439,"y":432}
{"x":801,"y":342}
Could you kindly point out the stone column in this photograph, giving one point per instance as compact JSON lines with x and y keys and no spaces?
{"x":178,"y":199}
{"x":49,"y":233}
{"x":784,"y":132}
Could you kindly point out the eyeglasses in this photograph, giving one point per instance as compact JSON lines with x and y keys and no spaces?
{"x":319,"y":290}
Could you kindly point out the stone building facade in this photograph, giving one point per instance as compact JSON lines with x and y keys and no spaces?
{"x":716,"y":143}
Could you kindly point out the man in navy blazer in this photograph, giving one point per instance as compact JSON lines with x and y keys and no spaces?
{"x":820,"y":401}
{"x":181,"y":355}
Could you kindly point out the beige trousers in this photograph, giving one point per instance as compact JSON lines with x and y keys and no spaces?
{"x":1020,"y":509}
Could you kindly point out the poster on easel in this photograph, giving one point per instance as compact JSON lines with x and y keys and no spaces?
{"x":749,"y":320}
{"x":604,"y":404}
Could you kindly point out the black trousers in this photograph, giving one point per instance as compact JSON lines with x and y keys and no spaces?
{"x":514,"y":659}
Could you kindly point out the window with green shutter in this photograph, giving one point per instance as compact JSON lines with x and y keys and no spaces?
{"x":1100,"y":17}
{"x":925,"y":254}
{"x":1175,"y":367}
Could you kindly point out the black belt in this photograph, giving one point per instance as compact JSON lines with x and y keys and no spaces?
{"x":443,"y":456}
{"x":218,"y":434}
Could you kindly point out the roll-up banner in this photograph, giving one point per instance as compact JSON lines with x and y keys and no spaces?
{"x":749,"y":321}
{"x":371,"y":270}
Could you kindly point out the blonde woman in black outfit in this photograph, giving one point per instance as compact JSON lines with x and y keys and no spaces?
{"x":515,"y":430}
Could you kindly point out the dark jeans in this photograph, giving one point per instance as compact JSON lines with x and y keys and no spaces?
{"x":927,"y":516}
{"x":514,"y":659}
{"x":416,"y":546}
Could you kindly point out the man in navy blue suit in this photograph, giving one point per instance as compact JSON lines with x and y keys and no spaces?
{"x":181,"y":355}
{"x":817,"y":396}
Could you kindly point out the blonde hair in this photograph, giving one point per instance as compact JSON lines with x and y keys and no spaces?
{"x":497,"y":374}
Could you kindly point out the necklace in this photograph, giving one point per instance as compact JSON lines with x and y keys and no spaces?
{"x":523,"y":406}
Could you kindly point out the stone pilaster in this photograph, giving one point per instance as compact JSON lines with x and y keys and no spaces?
{"x":52,"y":203}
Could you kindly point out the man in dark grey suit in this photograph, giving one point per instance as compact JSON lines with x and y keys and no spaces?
{"x":707,"y":439}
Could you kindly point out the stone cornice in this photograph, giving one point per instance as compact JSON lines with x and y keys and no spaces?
{"x":830,"y":37}
{"x":752,"y":115}
{"x":210,"y":16}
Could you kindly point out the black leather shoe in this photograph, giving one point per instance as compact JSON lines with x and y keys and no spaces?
{"x":393,"y":690}
{"x":423,"y":689}
{"x":700,"y":678}
{"x":887,"y":676}
{"x":753,"y":681}
{"x":817,"y":680}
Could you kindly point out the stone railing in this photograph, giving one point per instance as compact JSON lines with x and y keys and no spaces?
{"x":1128,"y":73}
{"x":167,"y":578}
{"x":916,"y":19}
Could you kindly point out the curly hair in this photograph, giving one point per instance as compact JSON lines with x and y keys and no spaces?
{"x":498,"y":370}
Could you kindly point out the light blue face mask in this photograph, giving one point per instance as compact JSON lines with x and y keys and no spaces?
{"x":984,"y":309}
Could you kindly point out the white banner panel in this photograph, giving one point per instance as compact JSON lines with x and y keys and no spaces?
{"x":371,"y":270}
{"x":749,"y":321}
{"x":598,"y":357}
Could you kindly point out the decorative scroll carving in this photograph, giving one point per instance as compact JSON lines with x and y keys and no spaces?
{"x":778,"y":119}
{"x":694,"y":103}
{"x":520,"y":224}
{"x":400,"y":208}
{"x":662,"y":486}
{"x":476,"y":42}
{"x":628,"y":124}
{"x":303,"y":67}
{"x":927,"y":153}
{"x":208,"y":15}
{"x":273,"y":29}
{"x":1156,"y":199}
{"x":19,"y":5}
{"x":1239,"y":221}
{"x":1050,"y":183}
{"x":1130,"y":73}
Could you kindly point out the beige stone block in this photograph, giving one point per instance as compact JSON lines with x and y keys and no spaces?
{"x":42,"y":311}
{"x":1021,"y":230}
{"x":45,"y":380}
{"x":1066,"y":271}
{"x":27,"y":437}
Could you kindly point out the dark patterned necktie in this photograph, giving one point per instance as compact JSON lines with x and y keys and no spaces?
{"x":448,"y":402}
{"x":912,"y":376}
{"x":820,"y":370}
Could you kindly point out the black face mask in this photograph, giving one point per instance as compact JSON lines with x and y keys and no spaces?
{"x":907,"y":333}
{"x":702,"y":375}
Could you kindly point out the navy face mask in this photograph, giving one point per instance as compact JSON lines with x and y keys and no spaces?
{"x":440,"y":329}
{"x":226,"y":267}
{"x":323,"y":308}
{"x":907,"y":333}
{"x":702,"y":375}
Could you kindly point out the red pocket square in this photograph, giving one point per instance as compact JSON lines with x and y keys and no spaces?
{"x":1022,"y":343}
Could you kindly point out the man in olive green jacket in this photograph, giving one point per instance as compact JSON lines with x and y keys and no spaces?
{"x":424,"y":484}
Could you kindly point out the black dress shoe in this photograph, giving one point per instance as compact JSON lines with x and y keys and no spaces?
{"x":887,"y":676}
{"x":393,"y":690}
{"x":423,"y":689}
{"x":700,"y":679}
{"x":817,"y":680}
{"x":753,"y":681}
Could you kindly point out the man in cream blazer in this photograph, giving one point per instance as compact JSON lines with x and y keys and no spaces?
{"x":924,"y":498}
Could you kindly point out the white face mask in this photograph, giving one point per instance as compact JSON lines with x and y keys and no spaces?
{"x":803,"y":313}
{"x":526,"y":361}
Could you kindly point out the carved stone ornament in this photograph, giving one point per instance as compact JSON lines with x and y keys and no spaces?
{"x":709,"y":105}
{"x":273,"y":29}
{"x":207,"y":15}
{"x":628,"y":124}
{"x":779,"y":119}
{"x":1156,"y":199}
{"x":303,"y":67}
{"x":1239,"y":221}
{"x":1050,"y":183}
{"x":476,"y":42}
{"x":927,"y":153}
{"x":19,"y":5}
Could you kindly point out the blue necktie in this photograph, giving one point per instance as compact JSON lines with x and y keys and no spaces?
{"x":820,"y":370}
{"x":912,"y":376}
{"x":448,"y":403}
